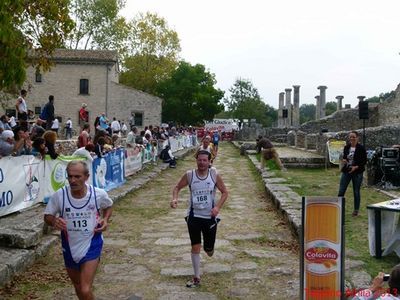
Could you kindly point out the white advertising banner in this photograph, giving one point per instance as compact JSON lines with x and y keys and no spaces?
{"x":225,"y":125}
{"x":19,"y":182}
{"x":133,"y":161}
{"x":54,"y":175}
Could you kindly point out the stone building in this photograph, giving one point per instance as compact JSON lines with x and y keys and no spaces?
{"x":91,"y":77}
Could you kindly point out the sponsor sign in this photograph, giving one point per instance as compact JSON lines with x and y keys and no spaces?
{"x":335,"y":148}
{"x":225,"y":125}
{"x":19,"y":183}
{"x":108,"y":171}
{"x":322,"y":248}
{"x":133,"y":161}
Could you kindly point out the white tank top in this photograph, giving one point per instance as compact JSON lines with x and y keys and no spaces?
{"x":81,"y":217}
{"x":202,"y":194}
{"x":208,"y":149}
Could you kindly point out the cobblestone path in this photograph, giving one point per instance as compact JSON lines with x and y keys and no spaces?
{"x":147,"y":248}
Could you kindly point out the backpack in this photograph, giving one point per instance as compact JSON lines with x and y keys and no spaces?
{"x":44,"y":114}
{"x":164,"y":154}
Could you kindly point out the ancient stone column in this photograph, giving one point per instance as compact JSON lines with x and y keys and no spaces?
{"x":288,"y":106}
{"x":322,"y":100}
{"x":281,"y":121}
{"x":296,"y":106}
{"x":361,"y":98}
{"x":317,"y":109}
{"x":339,"y":102}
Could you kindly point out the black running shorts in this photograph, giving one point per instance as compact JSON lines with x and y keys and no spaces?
{"x":208,"y":227}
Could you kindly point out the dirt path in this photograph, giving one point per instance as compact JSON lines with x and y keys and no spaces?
{"x":147,"y":249}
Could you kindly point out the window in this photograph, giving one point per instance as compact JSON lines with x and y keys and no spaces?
{"x":38,"y":110}
{"x":138,"y":118}
{"x":84,"y":87}
{"x":38,"y":77}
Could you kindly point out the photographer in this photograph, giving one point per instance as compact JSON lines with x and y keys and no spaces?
{"x":377,"y":291}
{"x":354,"y":160}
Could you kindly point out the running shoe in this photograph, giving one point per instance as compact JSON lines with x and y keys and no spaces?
{"x":194,"y":283}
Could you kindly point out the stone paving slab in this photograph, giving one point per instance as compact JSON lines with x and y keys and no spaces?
{"x":188,"y":296}
{"x":22,"y":229}
{"x":289,"y":203}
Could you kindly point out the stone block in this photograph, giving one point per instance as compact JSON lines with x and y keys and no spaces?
{"x":22,"y":230}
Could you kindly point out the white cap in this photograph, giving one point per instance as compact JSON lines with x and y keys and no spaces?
{"x":7,"y":134}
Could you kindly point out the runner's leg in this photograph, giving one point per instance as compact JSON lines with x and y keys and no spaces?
{"x":195,"y":239}
{"x":75,"y":276}
{"x":209,"y":230}
{"x":88,"y":271}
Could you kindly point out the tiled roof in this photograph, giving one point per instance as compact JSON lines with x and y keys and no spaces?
{"x":95,"y":56}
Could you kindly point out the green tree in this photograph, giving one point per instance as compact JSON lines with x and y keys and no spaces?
{"x":41,"y":25}
{"x":382,"y":97}
{"x":225,"y":114}
{"x":330,"y":108}
{"x":153,"y":53}
{"x":307,"y":113}
{"x":245,"y":103}
{"x":189,"y":95}
{"x":98,"y":25}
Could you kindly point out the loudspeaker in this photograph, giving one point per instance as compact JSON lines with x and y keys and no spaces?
{"x":284,"y":113}
{"x":363,"y":110}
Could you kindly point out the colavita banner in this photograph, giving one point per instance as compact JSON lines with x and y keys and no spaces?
{"x":322,"y":251}
{"x":335,"y":148}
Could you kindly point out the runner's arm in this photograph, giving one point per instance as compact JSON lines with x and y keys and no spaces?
{"x":56,"y":222}
{"x":224,"y":195}
{"x":104,"y":221}
{"x":181,"y":184}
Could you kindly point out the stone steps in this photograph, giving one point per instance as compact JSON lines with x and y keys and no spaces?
{"x":14,"y":260}
{"x":22,"y":229}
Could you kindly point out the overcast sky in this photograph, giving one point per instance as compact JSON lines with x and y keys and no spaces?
{"x":351,"y":46}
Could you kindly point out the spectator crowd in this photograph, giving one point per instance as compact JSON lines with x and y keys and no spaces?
{"x":27,"y":135}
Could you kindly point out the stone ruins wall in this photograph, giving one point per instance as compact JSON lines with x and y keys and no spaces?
{"x":342,"y":120}
{"x":389,"y":111}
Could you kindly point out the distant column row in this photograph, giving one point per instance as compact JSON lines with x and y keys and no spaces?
{"x":289,"y":114}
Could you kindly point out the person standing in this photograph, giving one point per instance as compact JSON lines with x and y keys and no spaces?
{"x":207,"y":146}
{"x":47,"y":114}
{"x":81,"y":212}
{"x":56,"y":125}
{"x":83,"y":116}
{"x":124,"y":129}
{"x":84,"y":136}
{"x":131,"y":138}
{"x":354,"y":160}
{"x":132,"y":120}
{"x":22,"y":110}
{"x":115,"y":126}
{"x":103,"y":122}
{"x":215,"y":140}
{"x":203,"y":213}
{"x":68,"y":129}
